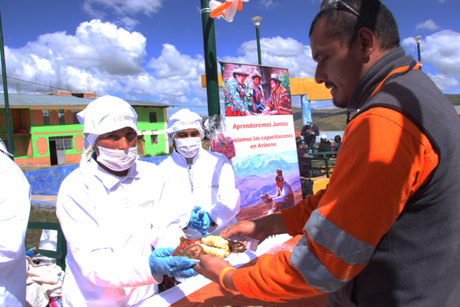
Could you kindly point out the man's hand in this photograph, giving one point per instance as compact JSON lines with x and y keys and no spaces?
{"x":245,"y":228}
{"x":210,"y":267}
{"x":258,"y":229}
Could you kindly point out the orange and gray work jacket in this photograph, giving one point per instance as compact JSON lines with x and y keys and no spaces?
{"x":385,"y":231}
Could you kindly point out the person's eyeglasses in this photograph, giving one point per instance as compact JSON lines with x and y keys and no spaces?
{"x":340,"y":5}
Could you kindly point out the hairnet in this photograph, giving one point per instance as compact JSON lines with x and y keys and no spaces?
{"x":182,"y":120}
{"x":104,"y":115}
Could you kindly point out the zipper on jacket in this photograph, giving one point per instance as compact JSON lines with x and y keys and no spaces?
{"x":190,"y":176}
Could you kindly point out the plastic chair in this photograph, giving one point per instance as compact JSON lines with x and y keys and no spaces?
{"x":61,"y":245}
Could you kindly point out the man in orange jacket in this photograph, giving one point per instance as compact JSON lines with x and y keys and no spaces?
{"x":385,"y":231}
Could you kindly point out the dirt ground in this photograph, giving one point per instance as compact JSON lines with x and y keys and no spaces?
{"x":39,"y":215}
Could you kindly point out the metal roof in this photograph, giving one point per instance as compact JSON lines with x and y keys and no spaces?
{"x":147,"y":103}
{"x":17,"y":101}
{"x":20,"y":101}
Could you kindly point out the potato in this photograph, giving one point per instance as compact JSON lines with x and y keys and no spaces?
{"x":179,"y":251}
{"x":193,"y":251}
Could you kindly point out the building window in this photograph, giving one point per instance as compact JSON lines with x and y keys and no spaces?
{"x":68,"y":144}
{"x":46,"y":117}
{"x":154,"y":139}
{"x":63,"y":142}
{"x":74,"y":116}
{"x":153,"y":117}
{"x":61,"y":116}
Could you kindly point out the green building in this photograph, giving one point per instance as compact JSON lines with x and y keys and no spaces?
{"x":46,"y":130}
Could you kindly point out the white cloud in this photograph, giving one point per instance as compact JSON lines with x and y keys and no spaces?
{"x":179,"y":74}
{"x":122,"y":7}
{"x":427,"y":25}
{"x":409,"y":44}
{"x":279,"y":52}
{"x":268,"y":4}
{"x":444,"y":82}
{"x":442,"y":51}
{"x":172,"y":64}
{"x":99,"y":54}
{"x":104,"y":58}
{"x":128,"y":23}
{"x":98,"y":46}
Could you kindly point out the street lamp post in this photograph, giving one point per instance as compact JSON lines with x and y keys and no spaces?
{"x":418,"y":39}
{"x":256,"y":20}
{"x":210,"y":59}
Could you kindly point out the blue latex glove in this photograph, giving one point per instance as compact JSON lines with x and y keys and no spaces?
{"x":195,"y":220}
{"x":200,"y":220}
{"x":161,"y":263}
{"x":30,"y":252}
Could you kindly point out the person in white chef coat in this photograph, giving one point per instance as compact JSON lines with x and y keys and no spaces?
{"x":14,"y":216}
{"x":199,"y":185}
{"x":109,"y":214}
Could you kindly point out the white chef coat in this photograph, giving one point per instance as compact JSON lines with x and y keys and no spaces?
{"x":14,"y":216}
{"x":209,"y":183}
{"x":110,"y":224}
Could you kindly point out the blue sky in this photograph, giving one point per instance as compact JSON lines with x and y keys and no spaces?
{"x":153,"y":49}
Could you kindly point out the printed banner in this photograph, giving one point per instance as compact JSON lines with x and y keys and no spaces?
{"x":259,"y":117}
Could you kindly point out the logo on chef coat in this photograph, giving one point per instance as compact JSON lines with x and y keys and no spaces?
{"x":190,"y":123}
{"x":121,"y":118}
{"x":213,"y":186}
{"x":149,"y":203}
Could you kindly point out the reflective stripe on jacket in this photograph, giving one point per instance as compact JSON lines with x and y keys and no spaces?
{"x":361,"y":216}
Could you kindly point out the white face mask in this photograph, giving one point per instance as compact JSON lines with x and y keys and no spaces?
{"x":117,"y":159}
{"x":188,"y":147}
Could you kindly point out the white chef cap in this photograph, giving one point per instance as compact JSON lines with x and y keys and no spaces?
{"x":104,"y":115}
{"x":182,"y":120}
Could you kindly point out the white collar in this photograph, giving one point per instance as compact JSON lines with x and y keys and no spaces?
{"x":180,"y":160}
{"x":110,"y":180}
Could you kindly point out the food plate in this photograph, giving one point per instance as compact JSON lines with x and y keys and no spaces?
{"x":212,"y":245}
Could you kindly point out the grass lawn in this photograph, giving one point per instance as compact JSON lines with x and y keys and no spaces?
{"x":39,"y":215}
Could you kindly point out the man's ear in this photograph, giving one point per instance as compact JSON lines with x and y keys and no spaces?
{"x":367,"y":42}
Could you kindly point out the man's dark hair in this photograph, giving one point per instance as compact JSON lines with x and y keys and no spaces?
{"x":337,"y":138}
{"x":346,"y":25}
